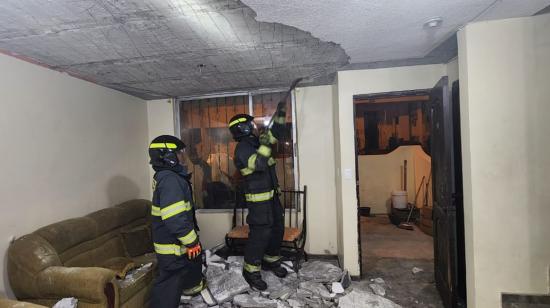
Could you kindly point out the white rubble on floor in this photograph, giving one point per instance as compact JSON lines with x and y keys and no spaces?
{"x":69,"y":302}
{"x":337,"y":288}
{"x":417,"y":270}
{"x":320,"y":271}
{"x":363,"y":299}
{"x":249,"y":301}
{"x":318,"y":284}
{"x":378,"y":280}
{"x":377,"y":289}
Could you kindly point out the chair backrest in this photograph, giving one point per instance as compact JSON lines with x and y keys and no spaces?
{"x":294,"y":203}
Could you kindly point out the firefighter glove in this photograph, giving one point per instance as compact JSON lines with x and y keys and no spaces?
{"x":193,"y":252}
{"x":265,"y":139}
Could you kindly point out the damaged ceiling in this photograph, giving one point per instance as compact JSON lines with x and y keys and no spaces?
{"x":372,"y":31}
{"x":166,"y":48}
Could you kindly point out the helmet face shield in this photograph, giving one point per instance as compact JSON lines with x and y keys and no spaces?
{"x":164,"y":151}
{"x":241,"y":125}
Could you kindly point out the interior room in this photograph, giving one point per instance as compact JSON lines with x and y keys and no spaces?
{"x":411,"y":165}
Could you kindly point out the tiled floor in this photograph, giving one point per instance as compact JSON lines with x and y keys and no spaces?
{"x":391,"y":253}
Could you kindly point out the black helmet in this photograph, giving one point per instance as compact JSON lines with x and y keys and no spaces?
{"x":163,"y":149}
{"x":241,"y":126}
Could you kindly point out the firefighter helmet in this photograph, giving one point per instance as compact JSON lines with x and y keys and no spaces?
{"x":241,"y":126}
{"x":163,"y":149}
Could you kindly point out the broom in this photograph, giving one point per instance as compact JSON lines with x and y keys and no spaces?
{"x":407,"y":225}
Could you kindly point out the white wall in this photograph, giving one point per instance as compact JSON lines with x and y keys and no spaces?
{"x":351,"y":83}
{"x":69,"y":147}
{"x":504,"y":69}
{"x":316,"y":161}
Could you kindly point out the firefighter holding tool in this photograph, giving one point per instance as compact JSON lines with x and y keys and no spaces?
{"x":265,"y":214}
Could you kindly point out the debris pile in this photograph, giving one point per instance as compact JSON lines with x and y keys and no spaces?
{"x":317,"y":284}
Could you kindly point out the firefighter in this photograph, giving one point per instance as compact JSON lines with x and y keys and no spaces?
{"x":175,"y":238}
{"x":265,"y":214}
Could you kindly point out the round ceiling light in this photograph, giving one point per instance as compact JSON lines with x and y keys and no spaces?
{"x":433,"y":22}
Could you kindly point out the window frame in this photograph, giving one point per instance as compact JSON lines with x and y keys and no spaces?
{"x":177,"y":125}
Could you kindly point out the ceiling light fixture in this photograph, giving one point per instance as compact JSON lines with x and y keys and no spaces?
{"x":433,"y":22}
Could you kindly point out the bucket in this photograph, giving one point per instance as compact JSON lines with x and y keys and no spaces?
{"x":399,"y":199}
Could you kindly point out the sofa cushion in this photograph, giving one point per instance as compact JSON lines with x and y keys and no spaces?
{"x":137,"y":241}
{"x":68,"y":233}
{"x":108,"y":219}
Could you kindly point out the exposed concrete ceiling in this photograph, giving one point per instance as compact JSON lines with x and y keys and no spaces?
{"x":165,"y":48}
{"x":374,"y":31}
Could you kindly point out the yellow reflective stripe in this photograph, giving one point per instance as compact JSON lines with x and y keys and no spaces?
{"x":252,"y":161}
{"x":279,"y":120}
{"x":195,"y":289}
{"x":251,"y":268}
{"x":264,"y":150}
{"x":175,"y":209}
{"x":246,"y":171}
{"x":237,"y":121}
{"x":155,"y":211}
{"x":271,"y":259}
{"x":260,"y":197}
{"x":272,"y":138}
{"x":189,"y":238}
{"x":163,"y":146}
{"x":271,"y":161}
{"x":169,"y":249}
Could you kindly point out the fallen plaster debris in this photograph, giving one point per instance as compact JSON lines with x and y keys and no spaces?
{"x":69,"y":302}
{"x":319,"y":271}
{"x":337,"y":288}
{"x":377,"y":289}
{"x":318,"y":284}
{"x":363,"y":299}
{"x":378,"y":280}
{"x":417,"y":270}
{"x":346,"y":279}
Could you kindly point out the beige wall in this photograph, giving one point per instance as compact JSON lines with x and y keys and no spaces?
{"x":380,"y":175}
{"x":351,"y":83}
{"x":452,"y":71}
{"x":504,"y":69}
{"x":69,"y":147}
{"x":316,"y":162}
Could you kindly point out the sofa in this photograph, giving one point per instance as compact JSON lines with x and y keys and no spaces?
{"x":8,"y":303}
{"x":86,"y":258}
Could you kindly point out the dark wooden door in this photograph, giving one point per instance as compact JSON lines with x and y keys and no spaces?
{"x":446,"y":160}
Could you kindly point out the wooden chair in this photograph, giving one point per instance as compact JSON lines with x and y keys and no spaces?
{"x":292,"y":249}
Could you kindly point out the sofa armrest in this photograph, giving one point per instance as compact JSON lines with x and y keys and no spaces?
{"x":87,"y":283}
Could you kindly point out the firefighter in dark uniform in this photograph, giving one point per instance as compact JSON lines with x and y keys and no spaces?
{"x":265,"y":213}
{"x":175,"y":238}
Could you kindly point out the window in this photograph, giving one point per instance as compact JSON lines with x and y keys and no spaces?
{"x":202,"y":124}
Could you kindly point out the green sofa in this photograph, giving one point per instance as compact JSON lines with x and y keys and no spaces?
{"x":75,"y":257}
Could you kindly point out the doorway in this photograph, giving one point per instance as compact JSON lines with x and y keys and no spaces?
{"x":409,"y":195}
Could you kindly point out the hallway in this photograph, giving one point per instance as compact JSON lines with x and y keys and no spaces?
{"x":391,"y":253}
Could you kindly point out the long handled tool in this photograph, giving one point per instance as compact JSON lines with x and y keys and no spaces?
{"x":287,"y":94}
{"x":407,"y":225}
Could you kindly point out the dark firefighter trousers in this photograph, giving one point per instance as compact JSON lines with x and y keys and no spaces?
{"x":266,"y":223}
{"x":174,"y":276}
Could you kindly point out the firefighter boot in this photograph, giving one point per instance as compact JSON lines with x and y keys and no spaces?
{"x":255,"y":281}
{"x":275,"y":268}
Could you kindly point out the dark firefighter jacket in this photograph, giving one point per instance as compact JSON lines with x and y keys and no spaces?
{"x":257,"y":166}
{"x":173,"y":220}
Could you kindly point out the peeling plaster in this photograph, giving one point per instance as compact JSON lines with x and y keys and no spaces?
{"x":153,"y":48}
